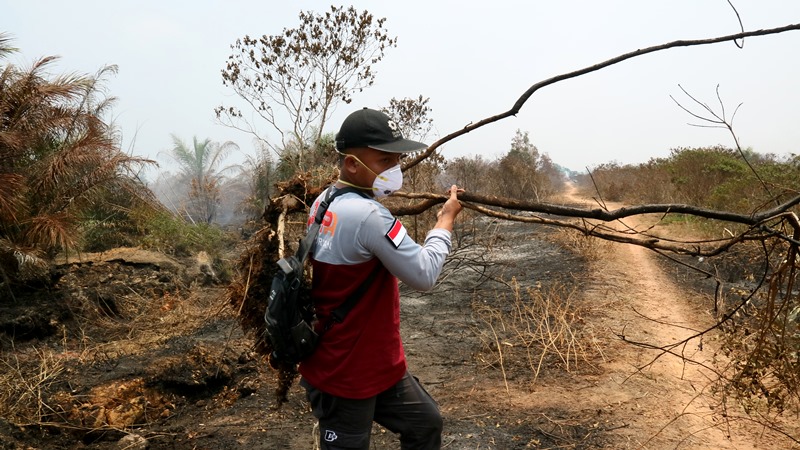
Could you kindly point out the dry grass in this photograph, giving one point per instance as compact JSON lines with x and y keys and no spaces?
{"x":25,"y":382}
{"x":145,"y":323}
{"x":591,"y":248}
{"x":530,"y":330}
{"x":31,"y":376}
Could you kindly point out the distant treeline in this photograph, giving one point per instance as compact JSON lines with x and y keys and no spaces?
{"x":713,"y":177}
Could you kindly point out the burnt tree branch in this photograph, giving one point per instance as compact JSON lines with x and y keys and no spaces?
{"x":430,"y":200}
{"x":564,"y":216}
{"x":639,"y":52}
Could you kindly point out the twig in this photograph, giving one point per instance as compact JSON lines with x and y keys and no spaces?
{"x":500,"y":354}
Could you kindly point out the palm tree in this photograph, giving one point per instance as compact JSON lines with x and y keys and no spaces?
{"x":59,"y":160}
{"x":199,"y":169}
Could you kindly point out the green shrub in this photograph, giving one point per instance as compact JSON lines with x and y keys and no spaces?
{"x":172,"y":235}
{"x":712,"y":177}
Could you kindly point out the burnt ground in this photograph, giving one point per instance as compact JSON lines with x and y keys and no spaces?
{"x":138,"y":350}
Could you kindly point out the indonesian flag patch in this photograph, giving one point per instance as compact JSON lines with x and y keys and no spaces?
{"x":396,"y":233}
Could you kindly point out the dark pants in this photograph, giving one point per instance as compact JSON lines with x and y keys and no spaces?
{"x":405,"y":408}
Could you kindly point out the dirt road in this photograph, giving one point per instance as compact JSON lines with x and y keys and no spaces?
{"x":659,"y":401}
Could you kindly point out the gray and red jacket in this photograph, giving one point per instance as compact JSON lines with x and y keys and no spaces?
{"x":363,"y":356}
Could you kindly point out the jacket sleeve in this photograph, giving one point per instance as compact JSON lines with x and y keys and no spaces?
{"x":418,"y":266}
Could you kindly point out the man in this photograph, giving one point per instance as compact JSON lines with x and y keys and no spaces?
{"x":358,"y":373}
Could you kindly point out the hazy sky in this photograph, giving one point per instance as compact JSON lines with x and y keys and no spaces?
{"x":473,"y":59}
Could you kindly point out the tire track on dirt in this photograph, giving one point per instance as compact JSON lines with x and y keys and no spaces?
{"x":663,"y":401}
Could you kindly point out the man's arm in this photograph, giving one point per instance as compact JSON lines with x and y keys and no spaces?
{"x":416,"y":265}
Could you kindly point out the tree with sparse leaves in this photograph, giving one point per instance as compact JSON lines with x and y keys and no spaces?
{"x":293,"y":80}
{"x":532,"y":172}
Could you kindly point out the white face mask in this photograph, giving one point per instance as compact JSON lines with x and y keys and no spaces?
{"x":386,"y":182}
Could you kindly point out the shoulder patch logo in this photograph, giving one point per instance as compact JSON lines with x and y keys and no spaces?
{"x":396,"y":233}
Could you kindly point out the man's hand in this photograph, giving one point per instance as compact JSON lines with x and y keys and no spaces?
{"x":447,"y":215}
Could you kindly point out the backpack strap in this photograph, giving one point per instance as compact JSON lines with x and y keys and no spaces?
{"x":308,"y":241}
{"x":338,"y":315}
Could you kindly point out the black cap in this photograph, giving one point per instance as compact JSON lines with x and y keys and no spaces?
{"x":370,"y":128}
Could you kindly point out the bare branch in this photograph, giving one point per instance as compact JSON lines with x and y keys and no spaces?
{"x":595,"y":213}
{"x":721,"y":121}
{"x":741,"y":26}
{"x":524,"y":98}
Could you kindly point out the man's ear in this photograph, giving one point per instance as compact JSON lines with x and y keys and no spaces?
{"x":350,"y":165}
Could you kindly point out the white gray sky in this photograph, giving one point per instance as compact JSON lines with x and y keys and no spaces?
{"x":473,"y":59}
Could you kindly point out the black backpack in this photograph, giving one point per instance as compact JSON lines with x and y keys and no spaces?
{"x":289,"y":318}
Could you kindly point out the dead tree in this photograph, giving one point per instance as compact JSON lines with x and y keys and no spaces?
{"x":247,"y":293}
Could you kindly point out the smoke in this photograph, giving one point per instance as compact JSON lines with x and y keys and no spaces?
{"x":173,"y":192}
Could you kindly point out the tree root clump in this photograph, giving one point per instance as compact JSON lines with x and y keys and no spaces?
{"x":249,"y":289}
